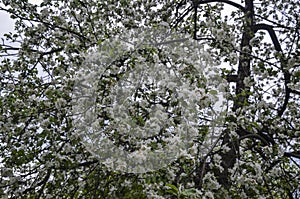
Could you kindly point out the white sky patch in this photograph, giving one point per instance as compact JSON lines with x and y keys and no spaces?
{"x":36,"y":2}
{"x":7,"y":24}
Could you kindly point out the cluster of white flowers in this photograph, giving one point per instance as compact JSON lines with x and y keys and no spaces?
{"x":156,"y":97}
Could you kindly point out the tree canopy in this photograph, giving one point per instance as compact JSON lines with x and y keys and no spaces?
{"x":200,"y":98}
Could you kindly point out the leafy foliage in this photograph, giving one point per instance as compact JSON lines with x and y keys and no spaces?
{"x":255,"y":150}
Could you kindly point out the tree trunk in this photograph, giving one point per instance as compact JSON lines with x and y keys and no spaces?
{"x":242,"y":94}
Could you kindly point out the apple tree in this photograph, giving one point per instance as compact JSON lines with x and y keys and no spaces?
{"x":218,"y":79}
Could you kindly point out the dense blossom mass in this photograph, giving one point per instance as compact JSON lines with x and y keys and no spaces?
{"x":150,"y":99}
{"x":154,"y":102}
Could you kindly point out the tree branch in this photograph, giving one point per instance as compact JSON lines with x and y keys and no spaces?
{"x":295,"y":92}
{"x":278,"y":25}
{"x":195,"y":20}
{"x":265,"y":138}
{"x":54,"y":50}
{"x":185,"y":13}
{"x":295,"y":154}
{"x":272,"y":34}
{"x":287,"y":80}
{"x":238,"y":6}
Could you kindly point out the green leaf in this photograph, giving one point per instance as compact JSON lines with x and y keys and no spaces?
{"x":173,"y":189}
{"x":213,"y":92}
{"x":189,"y":192}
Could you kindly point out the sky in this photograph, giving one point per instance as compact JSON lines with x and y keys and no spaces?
{"x":7,"y":24}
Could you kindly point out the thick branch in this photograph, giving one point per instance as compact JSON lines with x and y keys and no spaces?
{"x":255,"y":136}
{"x":278,"y":48}
{"x":244,"y":59}
{"x":272,"y":34}
{"x":295,"y":154}
{"x":287,"y":80}
{"x":278,"y":25}
{"x":263,"y":135}
{"x":195,"y":20}
{"x":295,"y":91}
{"x":238,"y":6}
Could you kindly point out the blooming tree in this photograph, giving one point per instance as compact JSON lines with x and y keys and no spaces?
{"x":150,"y":99}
